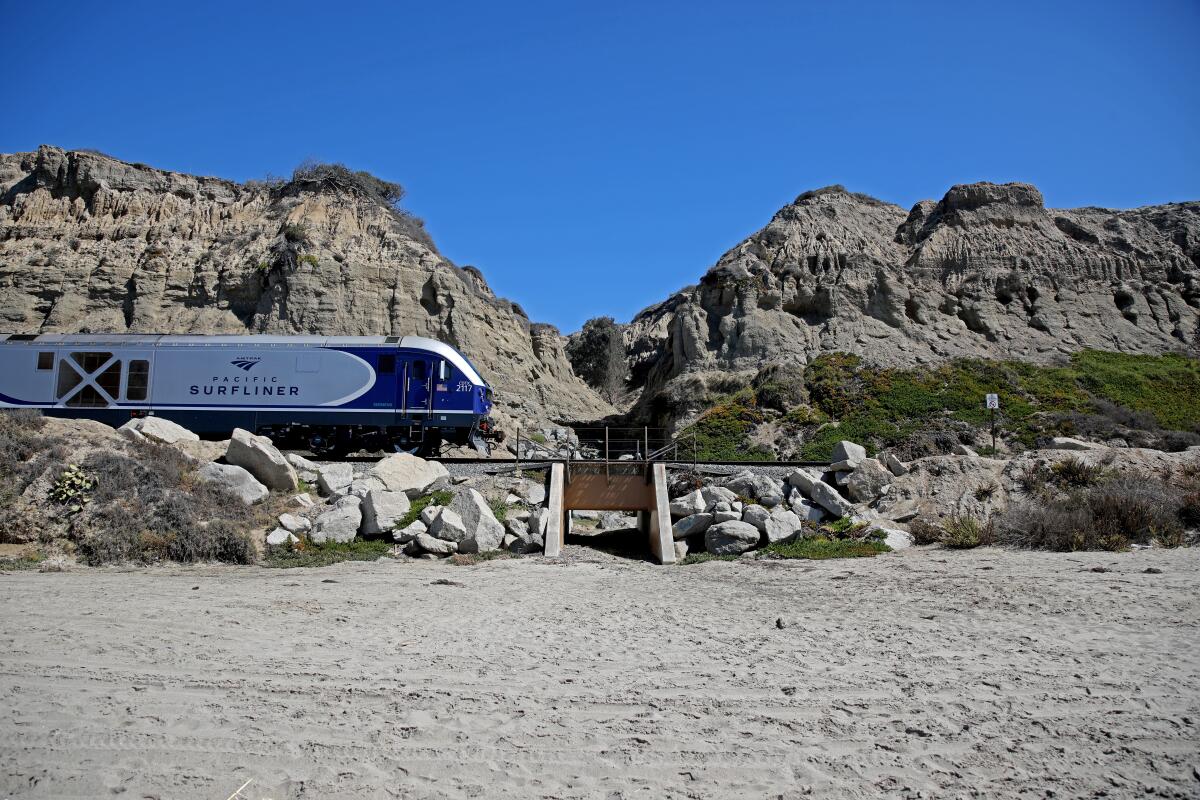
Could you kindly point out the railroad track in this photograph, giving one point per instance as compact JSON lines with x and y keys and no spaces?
{"x":537,"y":462}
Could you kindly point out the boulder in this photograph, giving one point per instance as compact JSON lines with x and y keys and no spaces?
{"x":894,"y":465}
{"x":160,"y":430}
{"x":484,"y":531}
{"x":827,"y":497}
{"x":731,"y":538}
{"x":848,"y":451}
{"x":963,"y":450}
{"x":757,"y":516}
{"x":515,"y":527}
{"x":615,"y":521}
{"x":726,"y":516}
{"x":431,"y":544}
{"x":681,"y":550}
{"x":781,"y":525}
{"x":294,"y":523}
{"x":803,"y":479}
{"x":361,"y":487}
{"x":403,"y":472}
{"x":534,"y":493}
{"x":303,"y":501}
{"x":691,"y":525}
{"x":538,"y":520}
{"x":807,"y":511}
{"x":688,"y":504}
{"x":382,"y":510}
{"x":201,"y":451}
{"x":258,"y":456}
{"x":281,"y":536}
{"x":894,"y":537}
{"x":449,"y":526}
{"x":235,"y":480}
{"x":748,"y":484}
{"x":334,"y":479}
{"x":429,"y":514}
{"x":717,"y":494}
{"x":409,"y":532}
{"x":340,"y":523}
{"x":306,"y":470}
{"x":869,"y":481}
{"x":1067,"y":443}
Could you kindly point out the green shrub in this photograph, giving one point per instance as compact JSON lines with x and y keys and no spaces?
{"x":963,"y":533}
{"x":925,"y":530}
{"x":310,"y":259}
{"x":822,"y":547}
{"x":702,"y":557}
{"x":723,"y":432}
{"x":1073,"y":473}
{"x":1110,"y":515}
{"x":308,"y":554}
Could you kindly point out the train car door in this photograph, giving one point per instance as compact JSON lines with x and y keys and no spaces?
{"x":418,"y":374}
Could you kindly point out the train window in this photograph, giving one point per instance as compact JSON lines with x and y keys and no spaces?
{"x":442,"y":370}
{"x":100,"y":389}
{"x":45,"y":361}
{"x":387,"y":365}
{"x":420,"y":370}
{"x":139,"y":379}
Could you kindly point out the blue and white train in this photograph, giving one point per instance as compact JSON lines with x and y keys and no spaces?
{"x":330,"y":395}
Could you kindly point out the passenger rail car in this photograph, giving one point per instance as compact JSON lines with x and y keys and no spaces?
{"x":331,"y":395}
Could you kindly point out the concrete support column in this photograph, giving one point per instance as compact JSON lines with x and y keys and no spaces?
{"x":556,"y":527}
{"x":662,"y":543}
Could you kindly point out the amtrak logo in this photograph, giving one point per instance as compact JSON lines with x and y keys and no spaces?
{"x":245,"y":364}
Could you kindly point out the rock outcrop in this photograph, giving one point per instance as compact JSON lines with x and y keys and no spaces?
{"x":90,"y":243}
{"x":986,"y":272}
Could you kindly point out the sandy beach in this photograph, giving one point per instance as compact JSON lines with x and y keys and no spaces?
{"x":924,"y":673}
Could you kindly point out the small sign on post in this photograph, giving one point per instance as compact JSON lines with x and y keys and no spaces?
{"x":993,"y":402}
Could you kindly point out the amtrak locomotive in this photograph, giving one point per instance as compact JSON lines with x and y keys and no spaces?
{"x":331,"y":395}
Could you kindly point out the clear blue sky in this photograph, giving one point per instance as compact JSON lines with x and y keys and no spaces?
{"x":591,"y":158}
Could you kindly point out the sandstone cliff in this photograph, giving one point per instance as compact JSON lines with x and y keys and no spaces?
{"x":988,"y":271}
{"x":90,"y":243}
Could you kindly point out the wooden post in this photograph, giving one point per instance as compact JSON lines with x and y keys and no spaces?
{"x":518,"y":448}
{"x":606,"y":473}
{"x":646,"y":435}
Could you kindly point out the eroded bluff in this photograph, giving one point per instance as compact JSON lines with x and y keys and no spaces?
{"x":92,"y":244}
{"x":988,"y":271}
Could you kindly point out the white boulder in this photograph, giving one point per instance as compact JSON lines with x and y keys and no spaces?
{"x":235,"y":480}
{"x":334,"y":479}
{"x":484,"y":531}
{"x":691,"y":525}
{"x":409,"y":532}
{"x":294,"y":523}
{"x":448,"y":525}
{"x":828,"y":498}
{"x":688,"y":504}
{"x":160,"y":430}
{"x":340,"y":523}
{"x":306,"y":470}
{"x":382,"y":510}
{"x":258,"y":456}
{"x":434,"y":545}
{"x":403,"y":472}
{"x":895,"y":465}
{"x":848,"y":451}
{"x":731,"y":538}
{"x":869,"y":481}
{"x":281,"y":536}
